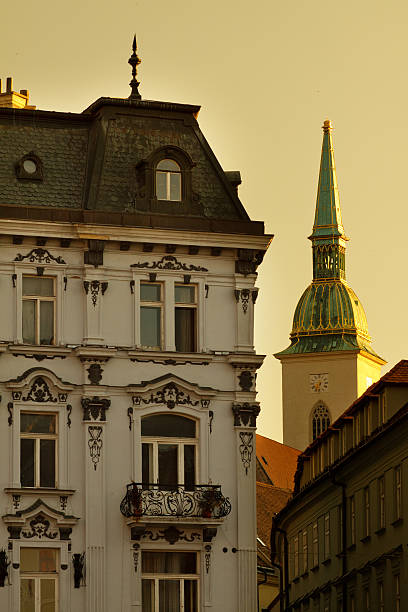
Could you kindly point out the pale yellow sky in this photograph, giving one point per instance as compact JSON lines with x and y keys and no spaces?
{"x":266,"y":75}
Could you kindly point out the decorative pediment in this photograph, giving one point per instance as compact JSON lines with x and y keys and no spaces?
{"x":39,"y":522}
{"x":171,"y":391}
{"x":39,"y":385}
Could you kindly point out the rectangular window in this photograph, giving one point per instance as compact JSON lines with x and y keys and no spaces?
{"x":398,"y":492}
{"x":340,"y":529}
{"x":381,"y":597}
{"x":185,"y":312}
{"x":305,"y":550}
{"x":397,"y":593}
{"x":366,"y":599}
{"x":327,"y":535}
{"x":170,"y":581}
{"x":38,"y":580}
{"x":38,"y":448}
{"x":151,"y":315}
{"x":352,"y":520}
{"x":296,"y":551}
{"x":38,"y":310}
{"x":381,"y":502}
{"x":315,"y":544}
{"x":366,"y":511}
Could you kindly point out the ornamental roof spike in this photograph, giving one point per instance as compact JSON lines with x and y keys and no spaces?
{"x":134,"y":61}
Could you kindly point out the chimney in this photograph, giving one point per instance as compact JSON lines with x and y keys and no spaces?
{"x":234,"y":178}
{"x":13,"y":99}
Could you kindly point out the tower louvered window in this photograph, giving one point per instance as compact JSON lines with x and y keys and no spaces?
{"x":320,"y":420}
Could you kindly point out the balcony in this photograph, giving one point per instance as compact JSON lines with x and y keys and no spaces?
{"x":154,"y":500}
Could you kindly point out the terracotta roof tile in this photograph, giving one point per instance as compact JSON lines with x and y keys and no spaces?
{"x":269,"y":500}
{"x":278,"y":460}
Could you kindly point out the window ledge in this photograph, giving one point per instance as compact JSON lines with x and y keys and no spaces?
{"x":170,"y":357}
{"x":95,"y":352}
{"x":305,"y":574}
{"x":314,"y":568}
{"x":351,"y":547}
{"x":38,"y":491}
{"x":366,"y":538}
{"x":39,"y":352}
{"x":397,"y":522}
{"x":296,"y":580}
{"x":326,"y":562}
{"x":380,"y":531}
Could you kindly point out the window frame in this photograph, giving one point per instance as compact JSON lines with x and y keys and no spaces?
{"x":37,"y":300}
{"x":367,"y":511}
{"x":326,"y":523}
{"x":160,"y":305}
{"x":315,"y":533}
{"x":319,"y":423}
{"x":178,"y":441}
{"x":187,"y":306}
{"x":156,"y":577}
{"x":398,"y":492}
{"x":37,"y":437}
{"x":381,"y":503}
{"x":168,"y":174}
{"x":37,"y":576}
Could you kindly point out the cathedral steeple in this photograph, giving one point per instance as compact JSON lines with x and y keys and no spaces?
{"x":328,"y":236}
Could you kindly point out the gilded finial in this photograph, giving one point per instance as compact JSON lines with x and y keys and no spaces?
{"x":134,"y":61}
{"x":327,"y":126}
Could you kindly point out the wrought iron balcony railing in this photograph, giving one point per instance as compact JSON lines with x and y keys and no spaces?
{"x":199,"y":501}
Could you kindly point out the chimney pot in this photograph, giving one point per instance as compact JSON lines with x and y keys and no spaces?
{"x":24,"y":92}
{"x":9,"y":87}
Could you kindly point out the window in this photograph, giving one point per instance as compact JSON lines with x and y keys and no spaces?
{"x":169,"y":581}
{"x":168,"y":180}
{"x":305,"y":551}
{"x":366,"y":599}
{"x":315,"y":545}
{"x":352,"y":520}
{"x":381,"y":502}
{"x":38,"y":310}
{"x":320,"y":419}
{"x":38,"y":580}
{"x":151,"y":315}
{"x":398,"y":492}
{"x":185,"y":318}
{"x":397,"y":593}
{"x":296,"y":551}
{"x":327,"y":535}
{"x":340,"y":528}
{"x":169,"y":449}
{"x":381,"y":597}
{"x":366,"y":512}
{"x":38,"y":441}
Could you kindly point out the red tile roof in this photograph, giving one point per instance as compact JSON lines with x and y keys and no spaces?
{"x":269,"y":500}
{"x":278,"y":460}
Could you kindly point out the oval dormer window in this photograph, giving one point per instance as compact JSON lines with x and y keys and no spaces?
{"x":168,"y":180}
{"x":29,"y":166}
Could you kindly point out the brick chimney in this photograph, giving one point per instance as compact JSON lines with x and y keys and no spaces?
{"x":13,"y":99}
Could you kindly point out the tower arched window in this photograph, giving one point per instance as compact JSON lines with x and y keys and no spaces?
{"x":320,"y":419}
{"x":168,"y":180}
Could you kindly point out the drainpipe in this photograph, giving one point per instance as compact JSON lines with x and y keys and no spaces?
{"x":343,"y":535}
{"x":284,"y":588}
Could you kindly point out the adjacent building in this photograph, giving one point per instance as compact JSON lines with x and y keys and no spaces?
{"x":127,"y":368}
{"x":330,"y":360}
{"x":341,"y":540}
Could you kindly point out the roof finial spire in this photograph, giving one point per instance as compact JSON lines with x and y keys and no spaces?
{"x":134,"y":61}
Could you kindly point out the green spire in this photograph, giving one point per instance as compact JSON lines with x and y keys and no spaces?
{"x":328,"y":236}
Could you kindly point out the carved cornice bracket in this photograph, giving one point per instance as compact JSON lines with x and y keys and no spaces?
{"x":245,"y":414}
{"x":95,"y":408}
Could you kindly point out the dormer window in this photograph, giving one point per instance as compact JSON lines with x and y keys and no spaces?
{"x":168,"y":180}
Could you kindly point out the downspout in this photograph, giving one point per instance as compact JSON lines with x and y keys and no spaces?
{"x":343,"y":535}
{"x":284,"y":588}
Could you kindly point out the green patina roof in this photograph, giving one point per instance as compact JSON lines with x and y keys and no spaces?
{"x":329,"y":316}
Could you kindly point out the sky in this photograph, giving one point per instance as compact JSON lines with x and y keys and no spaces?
{"x":266,"y":74}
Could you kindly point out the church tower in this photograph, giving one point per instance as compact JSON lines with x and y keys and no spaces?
{"x":330,"y":361}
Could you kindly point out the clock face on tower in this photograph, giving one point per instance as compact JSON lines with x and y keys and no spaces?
{"x":319,"y":383}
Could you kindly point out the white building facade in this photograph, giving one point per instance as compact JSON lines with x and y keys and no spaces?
{"x":127,"y":366}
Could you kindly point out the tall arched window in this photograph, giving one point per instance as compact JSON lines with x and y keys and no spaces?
{"x":320,"y":419}
{"x":168,"y":180}
{"x":169,"y":448}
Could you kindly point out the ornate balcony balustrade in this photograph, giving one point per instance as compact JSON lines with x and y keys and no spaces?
{"x":154,"y":500}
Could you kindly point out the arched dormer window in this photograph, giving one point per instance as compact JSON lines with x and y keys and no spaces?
{"x":169,"y":449}
{"x":320,"y":419}
{"x":168,"y":180}
{"x":163,"y":183}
